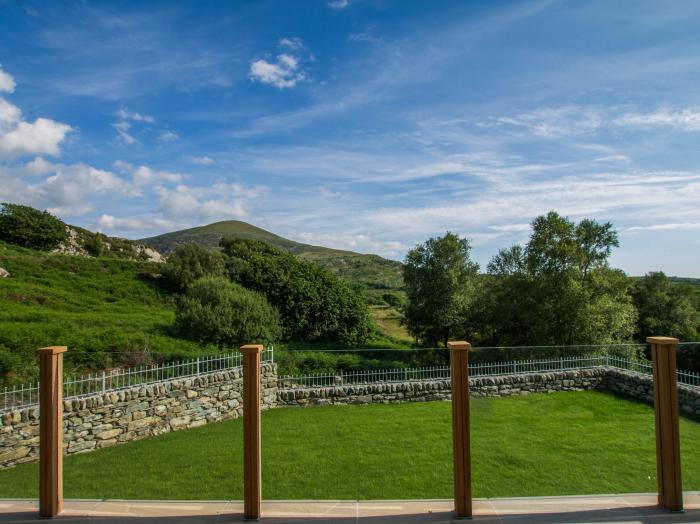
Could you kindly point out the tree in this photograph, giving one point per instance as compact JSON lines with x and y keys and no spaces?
{"x":558,"y":289}
{"x":665,"y":308}
{"x":29,"y":227}
{"x":440,"y":279}
{"x":190,"y":262}
{"x":314,"y":304}
{"x":221,"y":312}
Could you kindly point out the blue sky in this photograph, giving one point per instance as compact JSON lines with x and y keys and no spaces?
{"x":362,"y":124}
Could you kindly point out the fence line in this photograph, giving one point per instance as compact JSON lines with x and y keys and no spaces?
{"x":27,"y":395}
{"x":480,"y":369}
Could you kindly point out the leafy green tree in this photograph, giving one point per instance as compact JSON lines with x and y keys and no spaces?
{"x":190,"y":262}
{"x":215,"y":310}
{"x":314,"y":304}
{"x":440,"y":280}
{"x":29,"y":227}
{"x":665,"y":308}
{"x":558,"y":289}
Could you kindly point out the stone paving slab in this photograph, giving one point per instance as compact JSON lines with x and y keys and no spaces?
{"x":631,"y":509}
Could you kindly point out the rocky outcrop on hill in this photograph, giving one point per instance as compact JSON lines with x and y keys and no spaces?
{"x":84,"y":243}
{"x":4,"y":273}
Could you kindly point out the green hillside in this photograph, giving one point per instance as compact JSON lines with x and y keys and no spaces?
{"x":378,"y":275}
{"x":107,"y":311}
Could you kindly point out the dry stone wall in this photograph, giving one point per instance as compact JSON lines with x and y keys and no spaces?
{"x":111,"y":418}
{"x":425,"y":390}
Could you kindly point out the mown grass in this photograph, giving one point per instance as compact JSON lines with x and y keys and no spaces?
{"x":556,"y":444}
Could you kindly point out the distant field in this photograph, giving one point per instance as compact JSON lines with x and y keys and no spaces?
{"x":556,"y":444}
{"x":389,"y":321}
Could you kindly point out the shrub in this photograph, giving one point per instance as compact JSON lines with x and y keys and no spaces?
{"x":29,"y":227}
{"x":224,"y":313}
{"x":314,"y":304}
{"x":191,"y":262}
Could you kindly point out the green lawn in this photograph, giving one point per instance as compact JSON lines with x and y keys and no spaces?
{"x":556,"y":444}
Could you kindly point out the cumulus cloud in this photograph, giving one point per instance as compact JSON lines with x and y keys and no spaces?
{"x":63,"y":189}
{"x":41,"y":137}
{"x":205,"y":203}
{"x":7,"y":82}
{"x":147,"y":223}
{"x":19,"y":137}
{"x":9,"y":114}
{"x":283,"y":73}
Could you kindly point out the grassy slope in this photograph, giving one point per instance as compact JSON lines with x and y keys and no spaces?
{"x":377,"y":274}
{"x":91,"y":305}
{"x":557,"y":444}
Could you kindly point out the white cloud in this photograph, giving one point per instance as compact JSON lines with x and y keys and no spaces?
{"x":168,"y":136}
{"x":9,"y":114}
{"x":283,"y":73}
{"x":7,"y":82}
{"x":43,"y":136}
{"x":124,"y":114}
{"x":122,"y":130}
{"x":294,"y":43}
{"x":673,"y":226}
{"x":682,"y":119}
{"x":19,"y":137}
{"x":338,"y":4}
{"x":201,"y":160}
{"x":66,"y":191}
{"x":38,"y":167}
{"x":206,"y":203}
{"x":145,"y":176}
{"x":123,"y":125}
{"x":363,"y":243}
{"x":149,"y":223}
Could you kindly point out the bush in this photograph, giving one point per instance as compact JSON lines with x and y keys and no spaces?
{"x":314,"y":304}
{"x":224,"y":313}
{"x":191,"y":262}
{"x":29,"y":227}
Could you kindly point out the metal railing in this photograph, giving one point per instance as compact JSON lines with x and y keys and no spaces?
{"x":27,"y":395}
{"x":481,"y":369}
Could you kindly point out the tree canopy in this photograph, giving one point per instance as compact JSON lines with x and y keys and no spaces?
{"x":557,"y":289}
{"x":440,"y":281}
{"x":221,"y":312}
{"x":190,"y":262}
{"x":29,"y":227}
{"x":314,"y":304}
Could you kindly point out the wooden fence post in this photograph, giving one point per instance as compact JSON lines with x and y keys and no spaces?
{"x":459,"y":372}
{"x":252,"y":493}
{"x":668,"y":452}
{"x":51,"y":431}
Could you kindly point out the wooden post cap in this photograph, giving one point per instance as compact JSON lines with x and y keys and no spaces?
{"x":252,"y":348}
{"x":663,"y":341}
{"x":459,"y":345}
{"x":52,"y":350}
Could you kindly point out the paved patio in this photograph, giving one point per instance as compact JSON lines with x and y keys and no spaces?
{"x":544,"y":510}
